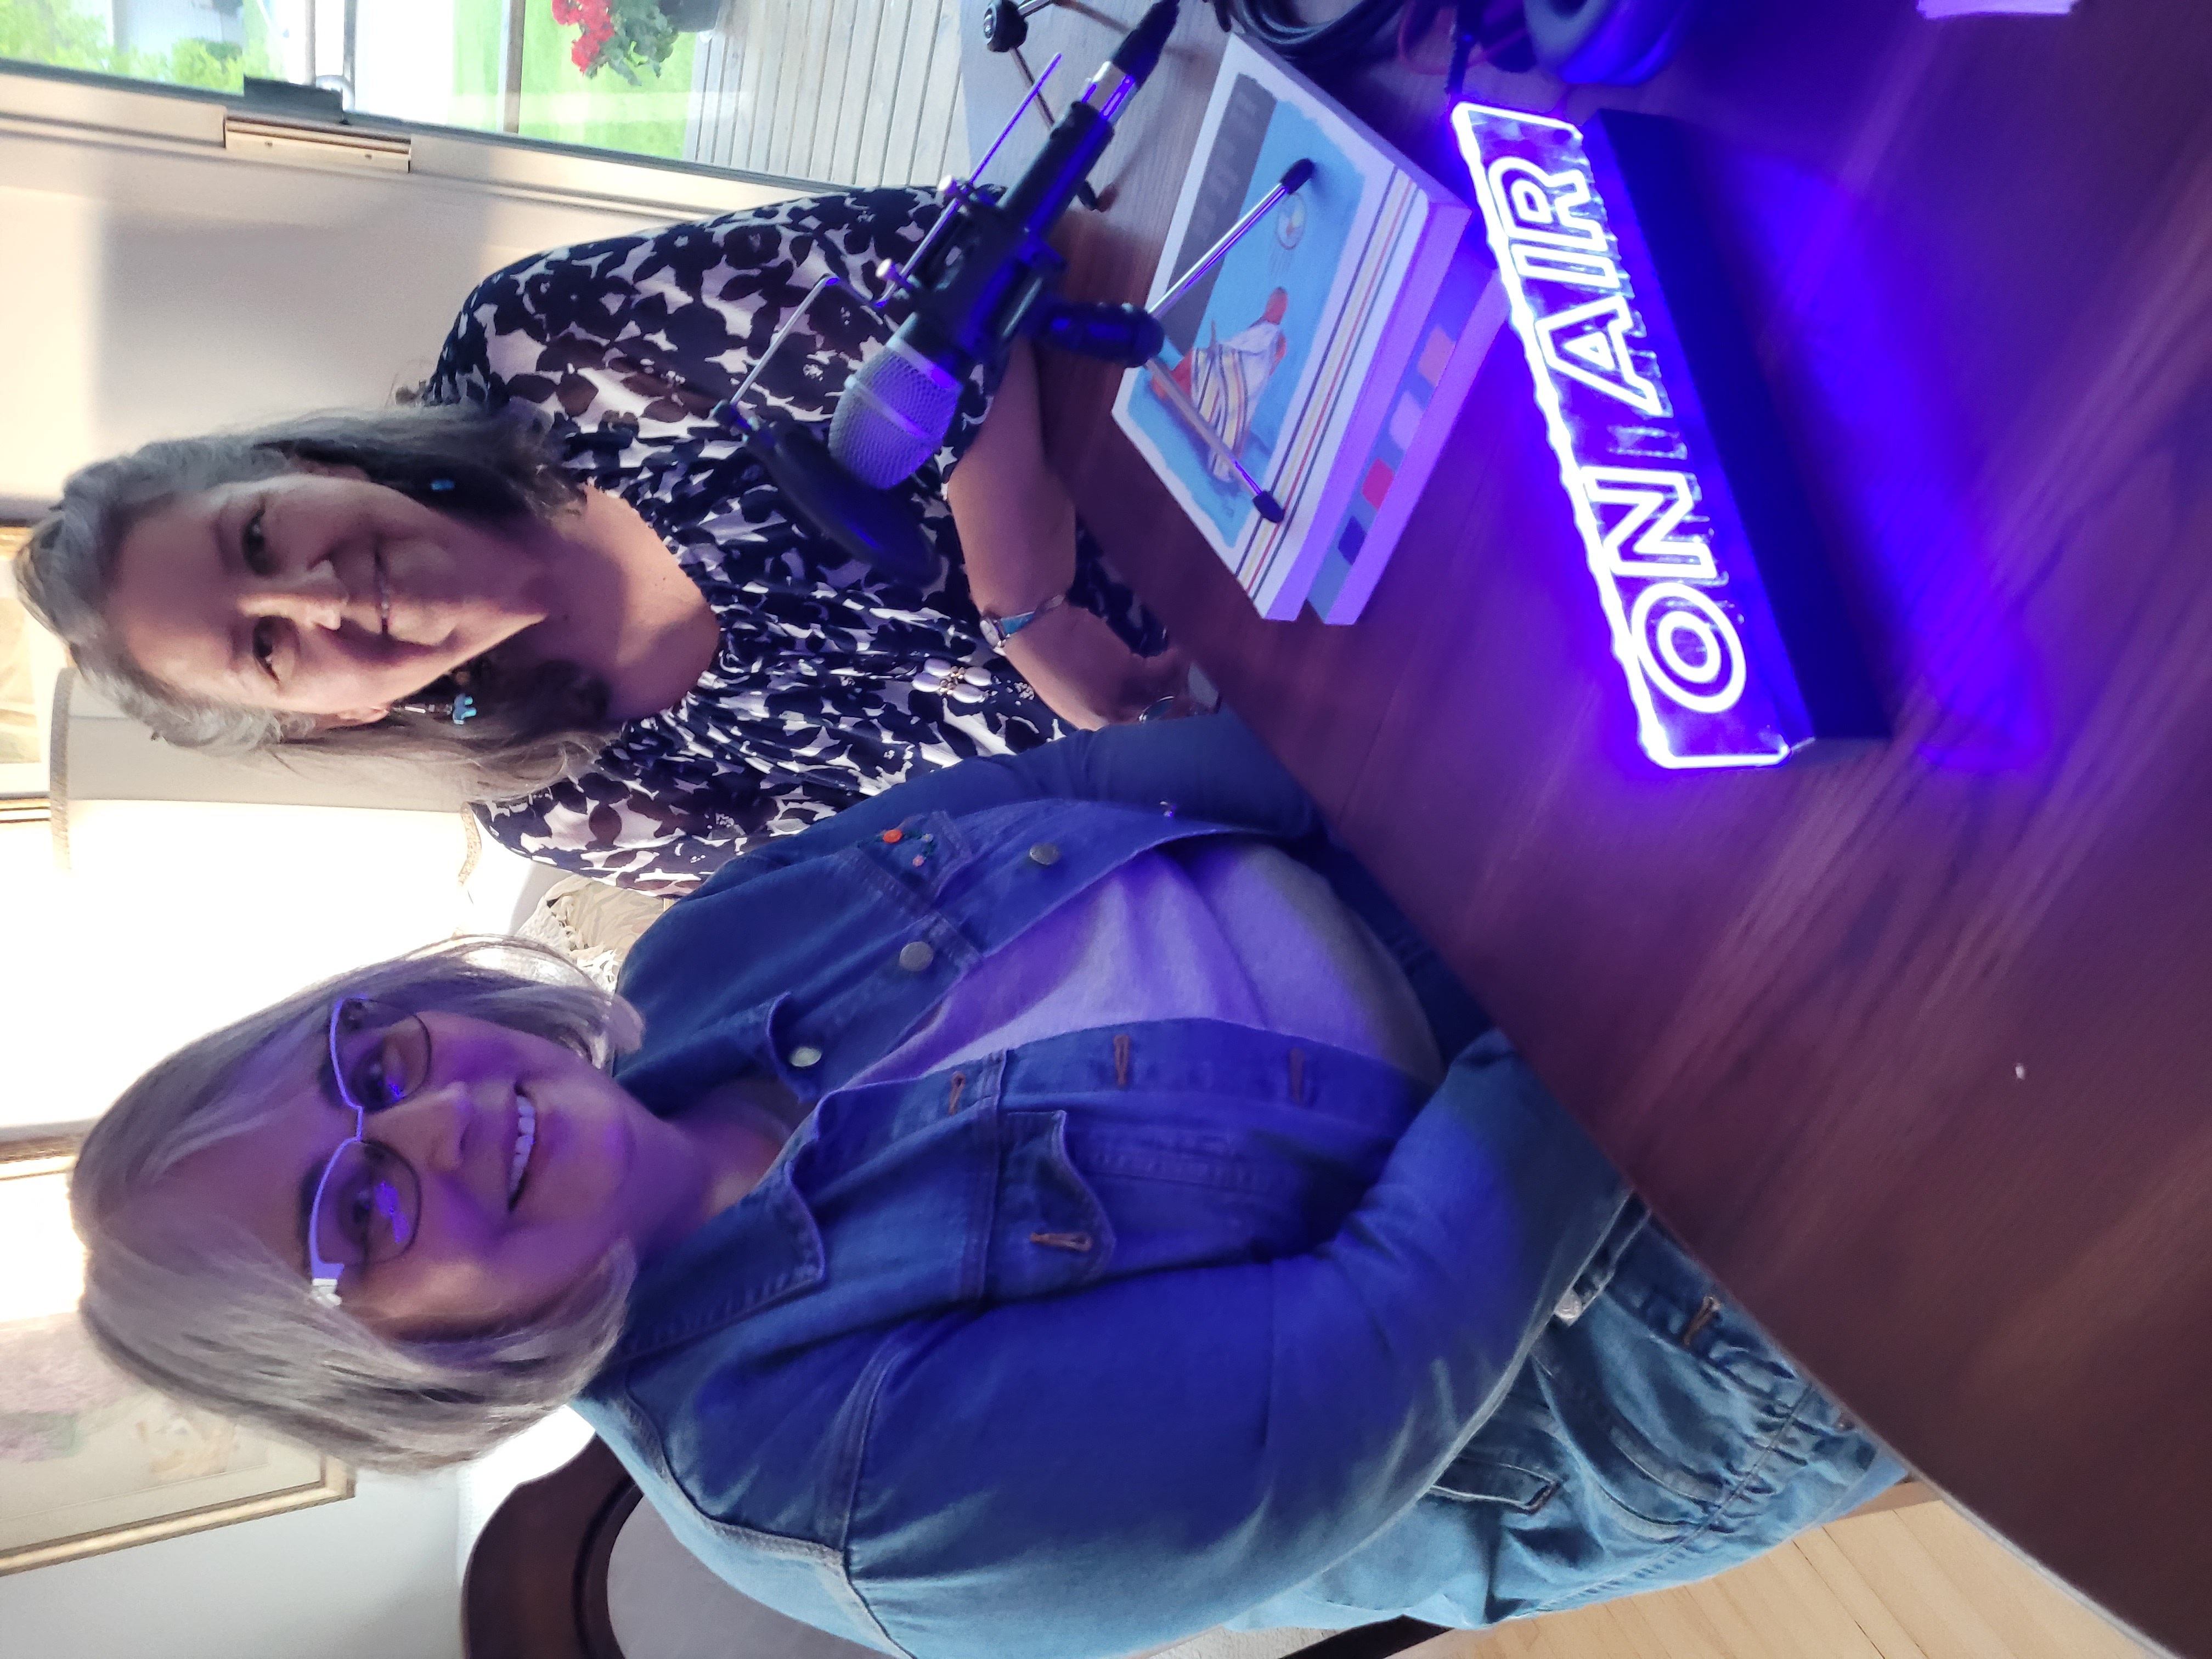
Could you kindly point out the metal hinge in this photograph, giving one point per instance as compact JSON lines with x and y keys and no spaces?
{"x":313,"y":144}
{"x":280,"y":121}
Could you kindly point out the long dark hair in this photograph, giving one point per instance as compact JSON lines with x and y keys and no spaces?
{"x":533,"y":723}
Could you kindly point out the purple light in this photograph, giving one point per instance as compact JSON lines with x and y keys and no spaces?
{"x":1676,"y":574}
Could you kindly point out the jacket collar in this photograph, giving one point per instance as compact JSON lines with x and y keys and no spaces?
{"x":761,"y":1250}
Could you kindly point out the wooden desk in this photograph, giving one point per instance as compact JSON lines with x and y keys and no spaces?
{"x":1914,"y":1049}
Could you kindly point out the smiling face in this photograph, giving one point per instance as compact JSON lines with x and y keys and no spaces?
{"x":486,"y":1249}
{"x":316,"y":593}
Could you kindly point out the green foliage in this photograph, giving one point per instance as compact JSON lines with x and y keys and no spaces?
{"x":641,"y":111}
{"x":561,"y":102}
{"x":626,"y":36}
{"x":213,"y":65}
{"x":643,"y":41}
{"x":55,"y":32}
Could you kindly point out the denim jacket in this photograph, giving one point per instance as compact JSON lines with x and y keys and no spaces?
{"x":1092,"y":1344}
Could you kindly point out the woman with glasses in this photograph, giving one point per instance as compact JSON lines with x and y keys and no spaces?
{"x":558,"y":578}
{"x":1051,"y":1208}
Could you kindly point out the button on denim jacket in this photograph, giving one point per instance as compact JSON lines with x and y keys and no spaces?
{"x":1087,"y":1346}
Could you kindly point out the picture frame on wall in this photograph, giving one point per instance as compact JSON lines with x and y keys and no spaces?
{"x":90,"y":1460}
{"x":23,"y":646}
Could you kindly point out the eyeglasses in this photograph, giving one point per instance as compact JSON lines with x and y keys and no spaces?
{"x":366,"y":1205}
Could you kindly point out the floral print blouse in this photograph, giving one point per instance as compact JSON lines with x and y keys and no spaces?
{"x":833,"y":681}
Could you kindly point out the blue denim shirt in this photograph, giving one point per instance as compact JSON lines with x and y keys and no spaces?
{"x":1095,"y":1343}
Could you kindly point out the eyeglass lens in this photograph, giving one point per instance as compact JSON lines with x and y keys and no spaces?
{"x":370,"y":1202}
{"x":382,"y":1054}
{"x":371,"y":1198}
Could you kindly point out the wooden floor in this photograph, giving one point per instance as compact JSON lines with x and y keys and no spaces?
{"x":1911,"y":1583}
{"x":839,"y":92}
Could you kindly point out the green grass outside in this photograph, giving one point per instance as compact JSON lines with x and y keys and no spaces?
{"x":559,"y":101}
{"x":476,"y":48}
{"x":66,"y":35}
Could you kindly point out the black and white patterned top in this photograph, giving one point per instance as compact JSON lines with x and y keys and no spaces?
{"x":833,"y":681}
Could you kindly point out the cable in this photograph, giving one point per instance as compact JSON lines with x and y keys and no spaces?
{"x":1479,"y":34}
{"x":1362,"y":31}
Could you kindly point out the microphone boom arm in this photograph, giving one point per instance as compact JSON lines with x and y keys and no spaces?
{"x":987,"y":279}
{"x":982,"y":276}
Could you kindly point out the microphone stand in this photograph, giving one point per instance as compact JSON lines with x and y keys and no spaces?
{"x":995,"y":287}
{"x":1295,"y":178}
{"x":1083,"y":193}
{"x":1006,"y":25}
{"x":874,"y":526}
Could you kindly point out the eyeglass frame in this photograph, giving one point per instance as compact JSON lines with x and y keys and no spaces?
{"x":323,"y":1274}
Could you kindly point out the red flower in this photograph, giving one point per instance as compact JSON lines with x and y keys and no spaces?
{"x":597,"y":23}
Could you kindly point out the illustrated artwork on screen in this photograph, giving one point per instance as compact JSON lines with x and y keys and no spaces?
{"x":1325,"y":356}
{"x":90,"y":1460}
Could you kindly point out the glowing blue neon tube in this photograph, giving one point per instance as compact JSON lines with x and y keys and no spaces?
{"x":1722,"y":610}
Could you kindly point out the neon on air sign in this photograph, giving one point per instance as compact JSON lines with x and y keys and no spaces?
{"x":1723,"y":611}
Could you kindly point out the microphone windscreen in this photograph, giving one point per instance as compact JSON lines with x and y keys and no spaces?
{"x":893,"y":415}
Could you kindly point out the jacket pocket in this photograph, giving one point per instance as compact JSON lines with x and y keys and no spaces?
{"x":1647,"y":1436}
{"x":1481,"y":1477}
{"x":1049,"y":1232}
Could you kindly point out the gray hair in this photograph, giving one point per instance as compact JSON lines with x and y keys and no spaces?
{"x":539,"y":725}
{"x":200,"y":1310}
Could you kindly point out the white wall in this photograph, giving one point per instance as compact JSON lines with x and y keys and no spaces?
{"x":178,"y":918}
{"x":152,"y":285}
{"x":45,"y":370}
{"x":187,"y":292}
{"x":368,"y":1577}
{"x":174,"y":891}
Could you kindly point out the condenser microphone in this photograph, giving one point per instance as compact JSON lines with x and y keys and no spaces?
{"x":894,"y":413}
{"x":985,"y":285}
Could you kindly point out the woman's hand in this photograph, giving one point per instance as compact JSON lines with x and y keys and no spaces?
{"x":1089,"y":677}
{"x":1018,"y":532}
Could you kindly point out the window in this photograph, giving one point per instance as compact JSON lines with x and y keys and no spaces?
{"x":849,"y":92}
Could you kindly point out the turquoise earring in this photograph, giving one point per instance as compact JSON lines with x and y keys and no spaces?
{"x":460,"y":709}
